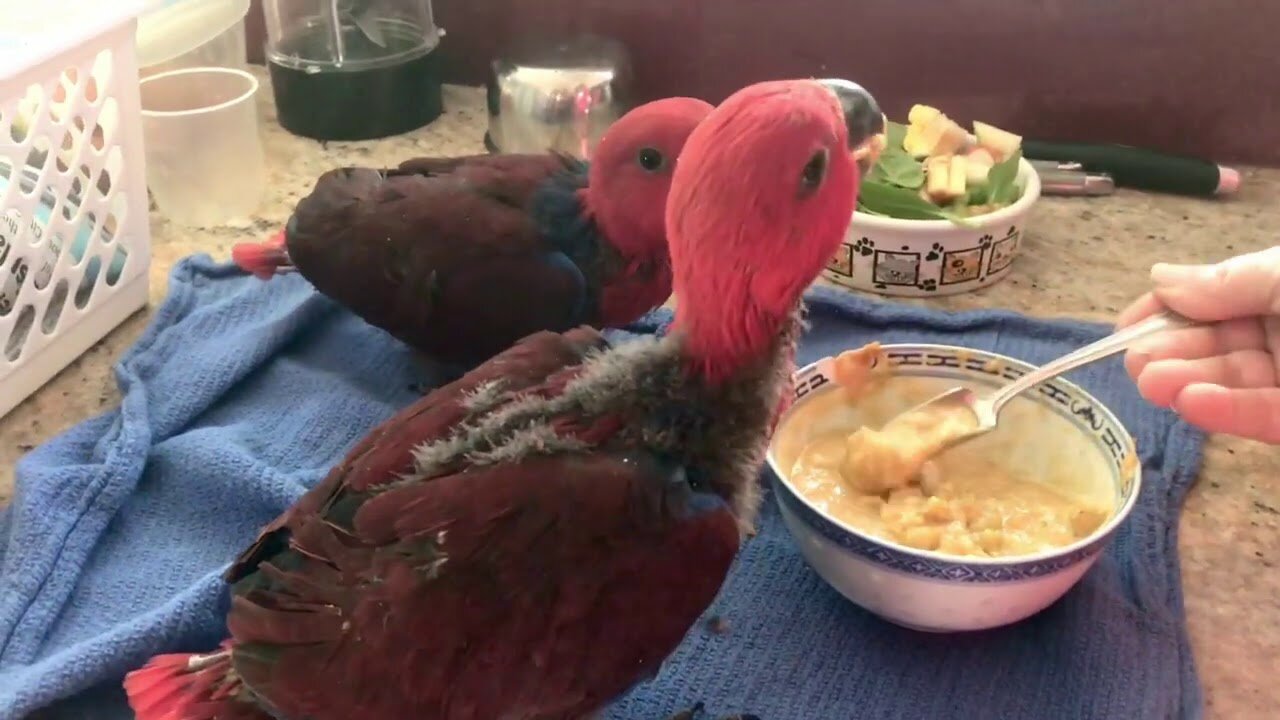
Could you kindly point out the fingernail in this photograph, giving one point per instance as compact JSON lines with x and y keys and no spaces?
{"x":1134,"y":364}
{"x":1170,"y":274}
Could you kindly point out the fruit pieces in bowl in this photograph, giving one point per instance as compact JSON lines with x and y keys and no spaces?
{"x":932,"y":168}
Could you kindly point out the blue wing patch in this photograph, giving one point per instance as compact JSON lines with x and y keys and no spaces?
{"x":563,"y":224}
{"x":563,"y":262}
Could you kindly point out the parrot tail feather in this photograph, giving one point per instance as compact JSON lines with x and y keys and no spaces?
{"x":262,"y":260}
{"x":186,"y":686}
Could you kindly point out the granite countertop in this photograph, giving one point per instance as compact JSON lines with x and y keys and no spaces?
{"x":1081,"y":258}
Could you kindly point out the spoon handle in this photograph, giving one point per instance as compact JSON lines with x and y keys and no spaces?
{"x":1107,"y":346}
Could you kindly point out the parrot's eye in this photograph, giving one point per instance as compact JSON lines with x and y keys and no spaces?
{"x":650,"y":159}
{"x":815,"y":171}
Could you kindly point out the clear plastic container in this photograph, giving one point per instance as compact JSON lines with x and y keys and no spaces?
{"x":177,"y":34}
{"x":226,"y":50}
{"x":204,"y":153}
{"x":353,"y":69}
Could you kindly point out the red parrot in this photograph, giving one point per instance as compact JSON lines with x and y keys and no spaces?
{"x":533,"y":539}
{"x":461,"y":257}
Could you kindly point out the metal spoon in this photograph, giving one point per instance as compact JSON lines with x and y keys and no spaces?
{"x":986,"y":409}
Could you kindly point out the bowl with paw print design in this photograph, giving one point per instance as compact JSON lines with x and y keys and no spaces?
{"x":923,"y":258}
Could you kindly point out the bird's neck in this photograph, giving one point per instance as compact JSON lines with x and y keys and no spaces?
{"x":633,"y":279}
{"x":634,"y":290}
{"x":728,"y":338}
{"x":635,"y":237}
{"x":744,"y":376}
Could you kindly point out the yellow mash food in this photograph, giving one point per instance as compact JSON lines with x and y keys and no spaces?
{"x":857,"y":371}
{"x":877,"y":461}
{"x":959,"y":502}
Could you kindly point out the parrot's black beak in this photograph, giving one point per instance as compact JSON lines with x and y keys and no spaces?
{"x":862,"y":118}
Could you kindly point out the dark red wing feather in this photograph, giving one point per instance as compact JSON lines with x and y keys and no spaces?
{"x":444,"y":254}
{"x":512,"y":179}
{"x":386,"y":450}
{"x":531,"y":591}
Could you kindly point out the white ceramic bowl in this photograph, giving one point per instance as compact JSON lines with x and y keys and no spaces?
{"x":920,"y":258}
{"x":1054,"y":426}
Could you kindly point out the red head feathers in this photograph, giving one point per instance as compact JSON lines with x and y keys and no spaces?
{"x":631,"y":172}
{"x":626,"y":195}
{"x":761,"y":199}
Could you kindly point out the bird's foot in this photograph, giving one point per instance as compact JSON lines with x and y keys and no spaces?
{"x":699,"y":712}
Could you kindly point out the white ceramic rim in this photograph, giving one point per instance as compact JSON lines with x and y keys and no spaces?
{"x":208,"y":69}
{"x":1030,"y":193}
{"x":1100,"y":532}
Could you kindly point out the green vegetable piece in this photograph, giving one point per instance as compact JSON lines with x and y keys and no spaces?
{"x":897,"y":202}
{"x":877,"y":173}
{"x":977,"y":194}
{"x":884,"y":199}
{"x":902,"y":170}
{"x":895,"y":134}
{"x":1002,"y":180}
{"x":895,"y":166}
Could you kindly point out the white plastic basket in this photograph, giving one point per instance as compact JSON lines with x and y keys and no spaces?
{"x":75,"y":242}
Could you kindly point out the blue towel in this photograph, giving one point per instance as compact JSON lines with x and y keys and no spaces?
{"x":242,"y":393}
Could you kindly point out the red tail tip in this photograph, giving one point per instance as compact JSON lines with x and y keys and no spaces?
{"x":261,"y":259}
{"x":158,"y":690}
{"x":189,"y":687}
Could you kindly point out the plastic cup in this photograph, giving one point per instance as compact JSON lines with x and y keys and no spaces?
{"x":204,"y":154}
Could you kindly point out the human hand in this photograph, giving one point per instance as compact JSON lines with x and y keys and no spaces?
{"x":1222,"y":377}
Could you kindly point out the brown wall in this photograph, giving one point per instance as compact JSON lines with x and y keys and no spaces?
{"x":1192,"y":76}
